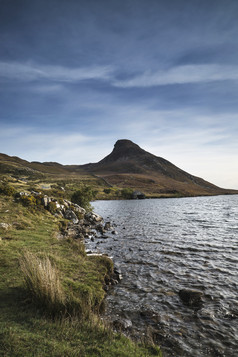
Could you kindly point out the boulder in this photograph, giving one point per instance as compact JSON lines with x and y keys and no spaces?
{"x":93,"y":217}
{"x":192,"y":298}
{"x":138,"y":195}
{"x":46,"y":200}
{"x":79,"y":209}
{"x":99,"y":227}
{"x":69,"y":214}
{"x":107,"y":226}
{"x":122,"y":324}
{"x":117,"y":273}
{"x":96,"y":217}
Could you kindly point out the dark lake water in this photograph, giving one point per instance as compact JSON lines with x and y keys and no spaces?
{"x":163,"y":246}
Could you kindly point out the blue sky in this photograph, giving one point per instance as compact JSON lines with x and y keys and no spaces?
{"x":75,"y":76}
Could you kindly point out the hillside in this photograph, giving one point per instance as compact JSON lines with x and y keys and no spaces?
{"x":127,"y":166}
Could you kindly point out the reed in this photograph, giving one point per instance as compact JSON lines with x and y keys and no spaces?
{"x":42,"y":282}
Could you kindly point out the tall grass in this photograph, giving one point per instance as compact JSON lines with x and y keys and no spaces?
{"x":42,"y":282}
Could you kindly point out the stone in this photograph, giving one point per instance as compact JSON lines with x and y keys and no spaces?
{"x":66,"y":203}
{"x":192,"y":298}
{"x":79,"y":209}
{"x":121,"y":324}
{"x":93,"y":217}
{"x":150,"y":317}
{"x":107,"y":226}
{"x":117,"y":274}
{"x":99,"y":227}
{"x":96,"y":217}
{"x":57,"y":205}
{"x":138,"y":195}
{"x":46,"y":200}
{"x":24,"y":193}
{"x":5,"y":226}
{"x":69,"y":214}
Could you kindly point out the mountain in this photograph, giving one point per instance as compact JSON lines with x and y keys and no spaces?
{"x":127,"y":166}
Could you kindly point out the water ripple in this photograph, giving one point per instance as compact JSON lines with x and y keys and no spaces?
{"x":167,"y":245}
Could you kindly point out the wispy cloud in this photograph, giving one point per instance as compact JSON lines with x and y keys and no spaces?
{"x":31,"y":72}
{"x":181,"y":75}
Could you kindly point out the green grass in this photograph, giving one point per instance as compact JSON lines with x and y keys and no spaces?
{"x":29,"y":325}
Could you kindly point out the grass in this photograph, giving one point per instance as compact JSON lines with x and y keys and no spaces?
{"x":51,"y":292}
{"x":42,"y":282}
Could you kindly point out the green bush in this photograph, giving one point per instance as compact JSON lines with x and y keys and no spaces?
{"x":52,"y":207}
{"x":126,"y":193}
{"x":28,"y":201}
{"x":107,"y":190}
{"x":83,"y":196}
{"x":6,"y":189}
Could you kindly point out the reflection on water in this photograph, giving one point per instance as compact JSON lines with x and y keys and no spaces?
{"x":163,"y":246}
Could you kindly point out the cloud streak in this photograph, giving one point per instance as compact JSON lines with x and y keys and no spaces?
{"x":32,"y":72}
{"x":176,"y":75}
{"x":181,"y":75}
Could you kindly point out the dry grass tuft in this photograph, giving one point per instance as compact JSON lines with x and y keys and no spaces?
{"x":42,"y":282}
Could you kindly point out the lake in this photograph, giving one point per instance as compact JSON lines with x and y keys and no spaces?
{"x":162,"y":247}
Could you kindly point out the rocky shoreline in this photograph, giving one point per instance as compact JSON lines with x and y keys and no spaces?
{"x":91,"y":226}
{"x":76,"y":224}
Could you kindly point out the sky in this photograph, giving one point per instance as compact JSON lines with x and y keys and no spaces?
{"x":77,"y":75}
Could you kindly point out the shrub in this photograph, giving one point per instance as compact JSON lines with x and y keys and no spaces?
{"x":52,"y":208}
{"x":63,"y":225}
{"x":6,"y":189}
{"x":83,"y":196}
{"x":28,"y":201}
{"x":42,"y":282}
{"x":107,"y":190}
{"x":39,"y":199}
{"x":127,"y":193}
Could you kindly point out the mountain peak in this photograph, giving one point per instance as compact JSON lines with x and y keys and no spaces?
{"x":126,"y":147}
{"x":124,"y":143}
{"x":123,"y":150}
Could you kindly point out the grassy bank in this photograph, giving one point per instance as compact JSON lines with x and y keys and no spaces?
{"x":34,"y":326}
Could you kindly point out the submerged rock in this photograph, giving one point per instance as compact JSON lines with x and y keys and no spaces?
{"x":192,"y":298}
{"x":121,"y":324}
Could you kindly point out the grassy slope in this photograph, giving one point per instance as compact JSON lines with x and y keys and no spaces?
{"x":27,"y":329}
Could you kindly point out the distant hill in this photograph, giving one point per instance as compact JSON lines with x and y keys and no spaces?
{"x":127,"y":166}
